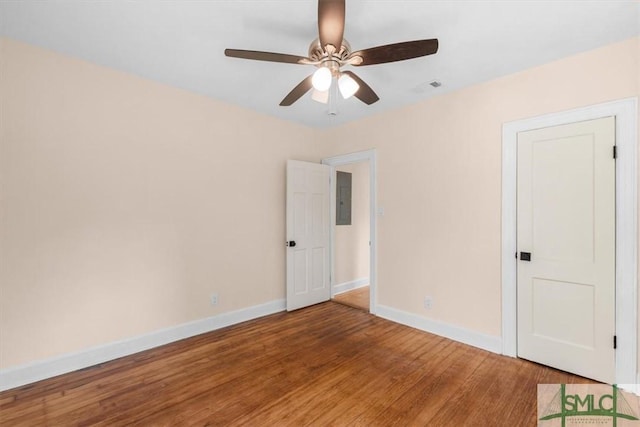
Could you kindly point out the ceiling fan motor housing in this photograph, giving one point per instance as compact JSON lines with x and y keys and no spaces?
{"x":318,"y":53}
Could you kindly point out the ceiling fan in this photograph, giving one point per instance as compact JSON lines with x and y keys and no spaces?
{"x":330,"y":51}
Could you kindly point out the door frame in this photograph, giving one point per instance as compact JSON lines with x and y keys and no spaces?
{"x":626,"y":113}
{"x":345,"y":159}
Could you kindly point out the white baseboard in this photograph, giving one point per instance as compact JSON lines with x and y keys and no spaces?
{"x":456,"y":333}
{"x":43,"y":369}
{"x":632,"y":388}
{"x":349,"y":286}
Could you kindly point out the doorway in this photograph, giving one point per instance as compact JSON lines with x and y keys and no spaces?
{"x":353,"y":242}
{"x":626,"y":116}
{"x":351,"y":232}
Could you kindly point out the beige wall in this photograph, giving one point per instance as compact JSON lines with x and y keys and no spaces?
{"x":126,"y":203}
{"x":123,"y":206}
{"x":439,"y":180}
{"x":352,"y":241}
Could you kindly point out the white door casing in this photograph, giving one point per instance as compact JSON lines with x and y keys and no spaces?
{"x":566,"y":246}
{"x":626,"y":114}
{"x":308,"y":225}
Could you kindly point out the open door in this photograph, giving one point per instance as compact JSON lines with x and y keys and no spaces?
{"x":308,"y":234}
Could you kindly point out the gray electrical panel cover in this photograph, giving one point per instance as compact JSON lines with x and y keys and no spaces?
{"x":343,"y":198}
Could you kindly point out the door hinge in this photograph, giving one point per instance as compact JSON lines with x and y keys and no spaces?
{"x":615,"y":341}
{"x":615,"y":151}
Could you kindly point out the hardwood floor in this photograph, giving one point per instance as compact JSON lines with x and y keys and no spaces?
{"x":356,"y":298}
{"x":324,"y":365}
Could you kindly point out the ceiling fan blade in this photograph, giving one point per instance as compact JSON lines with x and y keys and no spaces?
{"x":297,"y":92}
{"x":264,"y":56}
{"x":331,"y":22}
{"x":364,"y":93}
{"x":396,"y":52}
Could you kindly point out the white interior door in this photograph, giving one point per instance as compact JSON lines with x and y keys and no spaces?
{"x":566,"y":222}
{"x":308,"y":233}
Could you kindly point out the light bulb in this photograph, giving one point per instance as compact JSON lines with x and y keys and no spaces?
{"x":321,"y":79}
{"x":320,"y":96}
{"x":348,"y":86}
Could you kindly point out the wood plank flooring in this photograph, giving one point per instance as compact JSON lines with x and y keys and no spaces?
{"x":324,"y":365}
{"x":356,"y":298}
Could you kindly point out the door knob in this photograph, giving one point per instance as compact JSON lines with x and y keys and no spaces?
{"x":291,"y":243}
{"x":525,"y":256}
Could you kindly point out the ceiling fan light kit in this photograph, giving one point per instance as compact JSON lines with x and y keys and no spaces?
{"x":330,"y":51}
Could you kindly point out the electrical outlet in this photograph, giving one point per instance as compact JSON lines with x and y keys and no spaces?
{"x":214,"y":299}
{"x":428,"y":303}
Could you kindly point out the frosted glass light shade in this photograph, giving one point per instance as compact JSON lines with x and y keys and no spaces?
{"x":320,"y":96}
{"x":321,"y":79}
{"x":348,"y":86}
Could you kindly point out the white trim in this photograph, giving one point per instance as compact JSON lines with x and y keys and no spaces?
{"x":466,"y":336}
{"x":626,"y":113}
{"x":43,"y":369}
{"x":343,"y":287}
{"x":360,"y":156}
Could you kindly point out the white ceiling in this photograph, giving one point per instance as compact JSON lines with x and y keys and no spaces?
{"x":181,"y":43}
